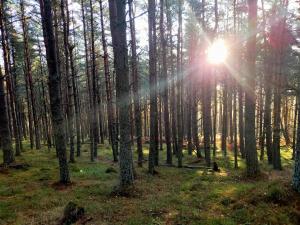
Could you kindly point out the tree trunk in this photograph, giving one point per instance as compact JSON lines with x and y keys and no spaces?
{"x":136,"y":86}
{"x":179,"y":85}
{"x":295,"y":127}
{"x":173,"y":96}
{"x":54,"y":90}
{"x":153,"y":86}
{"x":225,"y":117}
{"x":87,"y":71}
{"x":6,"y":143}
{"x":70,"y":115}
{"x":207,"y":115}
{"x":296,"y":175}
{"x":165,"y":85}
{"x":10,"y":86}
{"x":75,"y":95}
{"x":118,"y":33}
{"x":110,"y":109}
{"x":29,"y":77}
{"x":94,"y":119}
{"x":250,"y":142}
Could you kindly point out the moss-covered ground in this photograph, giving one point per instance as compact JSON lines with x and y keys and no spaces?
{"x":173,"y":196}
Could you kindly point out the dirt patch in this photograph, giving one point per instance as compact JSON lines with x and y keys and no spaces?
{"x":62,"y":187}
{"x":17,"y":166}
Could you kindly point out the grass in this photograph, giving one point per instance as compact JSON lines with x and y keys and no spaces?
{"x":174,"y":196}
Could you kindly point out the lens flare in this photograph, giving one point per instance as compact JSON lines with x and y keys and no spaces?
{"x":217,"y":52}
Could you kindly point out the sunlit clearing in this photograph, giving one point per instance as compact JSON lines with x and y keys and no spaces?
{"x":217,"y":52}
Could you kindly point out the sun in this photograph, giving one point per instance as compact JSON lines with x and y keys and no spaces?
{"x":217,"y":52}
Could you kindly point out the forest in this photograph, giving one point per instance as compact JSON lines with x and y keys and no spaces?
{"x":175,"y":112}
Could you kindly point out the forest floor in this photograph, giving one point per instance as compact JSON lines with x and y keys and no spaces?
{"x":173,"y":196}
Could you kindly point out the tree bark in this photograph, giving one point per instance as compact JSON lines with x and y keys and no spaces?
{"x":136,"y":92}
{"x":70,"y":115}
{"x":118,"y":33}
{"x":179,"y":85}
{"x":29,"y":77}
{"x":153,"y":86}
{"x":165,"y":84}
{"x":110,"y":109}
{"x":94,"y":107}
{"x":250,"y":142}
{"x":54,"y":90}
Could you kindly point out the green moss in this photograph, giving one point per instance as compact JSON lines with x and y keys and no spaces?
{"x":7,"y":212}
{"x":277,"y":193}
{"x":220,"y":221}
{"x":174,"y":196}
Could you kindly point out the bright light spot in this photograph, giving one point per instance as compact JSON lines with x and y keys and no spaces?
{"x":217,"y":53}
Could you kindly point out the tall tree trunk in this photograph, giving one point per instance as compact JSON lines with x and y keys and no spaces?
{"x":295,"y":127}
{"x":6,"y":143}
{"x":235,"y":141}
{"x":29,"y":77}
{"x":94,"y":123}
{"x":45,"y":111}
{"x":268,"y":92}
{"x":153,"y":86}
{"x":110,"y":109}
{"x":260,"y":127}
{"x":179,"y":85}
{"x":207,"y":115}
{"x":54,"y":90}
{"x":75,"y":95}
{"x":70,"y":115}
{"x":241,"y":121}
{"x":87,"y":71}
{"x":296,"y":175}
{"x":172,"y":73}
{"x":14,"y":86}
{"x":118,"y":33}
{"x":165,"y":84}
{"x":225,"y":117}
{"x":215,"y":118}
{"x":250,"y":142}
{"x":136,"y":92}
{"x":10,"y":87}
